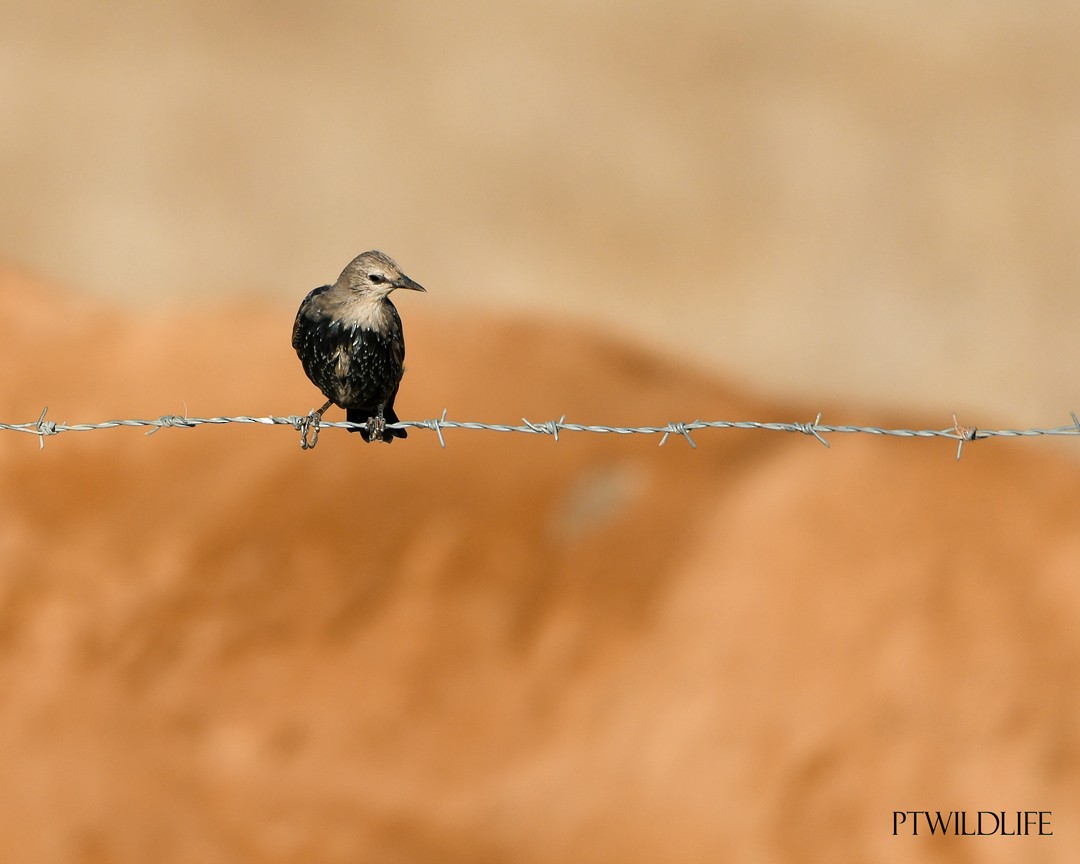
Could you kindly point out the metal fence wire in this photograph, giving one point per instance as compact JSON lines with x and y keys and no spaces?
{"x":308,"y":425}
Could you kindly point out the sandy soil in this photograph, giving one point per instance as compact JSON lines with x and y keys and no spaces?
{"x":215,"y":647}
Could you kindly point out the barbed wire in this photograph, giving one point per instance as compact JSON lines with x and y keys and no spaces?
{"x":308,"y":425}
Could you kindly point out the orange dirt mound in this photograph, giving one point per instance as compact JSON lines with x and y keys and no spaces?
{"x":215,"y":647}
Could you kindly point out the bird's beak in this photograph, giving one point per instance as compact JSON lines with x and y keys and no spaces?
{"x":406,"y":282}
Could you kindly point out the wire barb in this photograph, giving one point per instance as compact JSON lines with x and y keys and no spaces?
{"x":44,"y":427}
{"x":679,"y":429}
{"x":168,"y":421}
{"x":437,"y":424}
{"x":551,"y":427}
{"x":811,"y":429}
{"x":963,"y":434}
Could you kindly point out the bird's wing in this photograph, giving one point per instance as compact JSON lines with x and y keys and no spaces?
{"x":308,"y":311}
{"x":397,"y":340}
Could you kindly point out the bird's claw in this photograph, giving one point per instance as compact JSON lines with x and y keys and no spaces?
{"x":309,"y":425}
{"x":376,"y":427}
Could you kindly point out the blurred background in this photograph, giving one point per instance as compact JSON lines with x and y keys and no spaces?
{"x":216,"y":647}
{"x":826,"y":199}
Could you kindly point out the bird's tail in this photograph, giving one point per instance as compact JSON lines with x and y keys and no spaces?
{"x":362,"y":415}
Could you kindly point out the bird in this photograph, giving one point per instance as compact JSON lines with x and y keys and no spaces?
{"x":349,"y":340}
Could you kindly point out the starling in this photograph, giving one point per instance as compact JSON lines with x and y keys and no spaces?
{"x":348,"y":338}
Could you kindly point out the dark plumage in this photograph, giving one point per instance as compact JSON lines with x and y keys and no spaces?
{"x":348,"y":338}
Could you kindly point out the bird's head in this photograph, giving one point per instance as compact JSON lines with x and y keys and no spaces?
{"x":374,"y":274}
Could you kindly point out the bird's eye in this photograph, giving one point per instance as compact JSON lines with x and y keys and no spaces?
{"x":376,"y":278}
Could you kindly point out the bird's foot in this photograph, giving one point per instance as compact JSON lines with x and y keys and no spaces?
{"x":310,"y":426}
{"x":376,"y":427}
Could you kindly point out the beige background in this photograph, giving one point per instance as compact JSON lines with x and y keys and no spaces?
{"x":823,"y":199}
{"x":216,"y":647}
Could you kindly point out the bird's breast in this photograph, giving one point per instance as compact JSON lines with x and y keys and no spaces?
{"x":361,"y":314}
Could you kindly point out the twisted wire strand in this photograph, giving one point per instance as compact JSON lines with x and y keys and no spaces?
{"x":309,"y":425}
